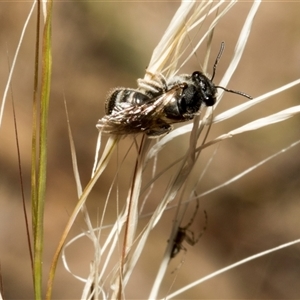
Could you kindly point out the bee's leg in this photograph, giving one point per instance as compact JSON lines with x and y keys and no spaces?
{"x":154,"y":86}
{"x":158,"y":130}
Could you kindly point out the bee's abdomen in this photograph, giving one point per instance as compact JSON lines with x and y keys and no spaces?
{"x":124,"y":97}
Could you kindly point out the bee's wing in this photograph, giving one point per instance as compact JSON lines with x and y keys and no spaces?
{"x":135,"y":119}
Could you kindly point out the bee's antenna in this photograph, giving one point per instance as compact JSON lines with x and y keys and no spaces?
{"x":234,"y":92}
{"x":214,"y":72}
{"x":217,"y":60}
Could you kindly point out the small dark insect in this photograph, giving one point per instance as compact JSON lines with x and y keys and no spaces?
{"x":182,"y":235}
{"x":158,"y":103}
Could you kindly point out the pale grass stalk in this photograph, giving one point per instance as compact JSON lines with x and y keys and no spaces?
{"x":234,"y":178}
{"x":173,"y":38}
{"x":166,"y":58}
{"x":132,"y":202}
{"x":240,"y":46}
{"x":11,"y":71}
{"x":241,"y":262}
{"x":196,"y":20}
{"x":177,"y":182}
{"x":248,"y":104}
{"x":257,"y":124}
{"x":247,"y":171}
{"x":236,"y":58}
{"x":283,"y":115}
{"x":102,"y":164}
{"x":169,"y":50}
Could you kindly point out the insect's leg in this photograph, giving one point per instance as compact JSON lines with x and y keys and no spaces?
{"x":204,"y":227}
{"x":159,"y":130}
{"x":160,"y":78}
{"x":194,"y":215}
{"x":191,"y":239}
{"x":181,"y":261}
{"x":154,"y":86}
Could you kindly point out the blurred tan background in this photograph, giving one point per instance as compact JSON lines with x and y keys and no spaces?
{"x":97,"y":46}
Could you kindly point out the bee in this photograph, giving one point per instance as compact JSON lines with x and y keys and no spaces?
{"x":158,"y":103}
{"x":154,"y":110}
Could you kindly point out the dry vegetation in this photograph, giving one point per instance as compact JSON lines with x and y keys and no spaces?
{"x":99,"y":45}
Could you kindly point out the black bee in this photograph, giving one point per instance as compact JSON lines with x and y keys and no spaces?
{"x":158,"y":103}
{"x":135,"y":112}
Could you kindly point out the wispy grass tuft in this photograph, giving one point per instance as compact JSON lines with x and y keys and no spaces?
{"x":119,"y":247}
{"x":118,"y":251}
{"x":39,"y":134}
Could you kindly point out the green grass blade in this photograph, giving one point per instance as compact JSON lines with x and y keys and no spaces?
{"x":39,"y":182}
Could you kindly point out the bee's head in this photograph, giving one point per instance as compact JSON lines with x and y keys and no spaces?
{"x":205,"y":90}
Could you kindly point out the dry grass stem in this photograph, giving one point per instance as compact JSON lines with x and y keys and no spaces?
{"x":167,"y":56}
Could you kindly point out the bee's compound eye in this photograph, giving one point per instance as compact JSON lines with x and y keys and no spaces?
{"x":200,"y":79}
{"x":205,"y":87}
{"x":196,"y":76}
{"x":210,"y":101}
